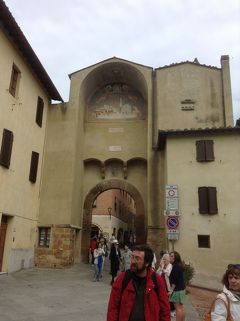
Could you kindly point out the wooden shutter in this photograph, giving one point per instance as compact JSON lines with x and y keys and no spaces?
{"x":209,"y":150}
{"x":212,"y":200}
{"x":14,"y":80}
{"x":203,"y":199}
{"x":6,"y":149}
{"x":200,"y":151}
{"x":33,"y":167}
{"x":39,"y":112}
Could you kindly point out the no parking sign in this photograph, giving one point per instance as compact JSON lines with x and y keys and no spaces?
{"x":172,"y":222}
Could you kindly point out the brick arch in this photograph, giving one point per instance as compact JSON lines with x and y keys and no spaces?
{"x":141,"y":230}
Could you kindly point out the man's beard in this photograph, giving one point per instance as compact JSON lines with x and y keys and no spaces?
{"x":136,"y":270}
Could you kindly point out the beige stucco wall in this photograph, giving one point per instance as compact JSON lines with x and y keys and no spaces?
{"x":223,"y":173}
{"x":19,"y":198}
{"x":189,"y":81}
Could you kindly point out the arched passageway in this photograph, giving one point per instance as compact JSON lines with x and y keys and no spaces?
{"x":140,"y":222}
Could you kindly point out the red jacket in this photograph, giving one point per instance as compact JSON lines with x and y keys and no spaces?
{"x":156,"y":309}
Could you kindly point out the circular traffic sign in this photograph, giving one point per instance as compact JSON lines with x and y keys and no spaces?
{"x":172,"y":222}
{"x":171,"y":193}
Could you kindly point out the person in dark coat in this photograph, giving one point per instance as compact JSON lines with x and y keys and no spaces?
{"x":114,"y":257}
{"x":177,"y":292}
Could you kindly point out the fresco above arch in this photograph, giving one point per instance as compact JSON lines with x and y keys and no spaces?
{"x":116,"y":101}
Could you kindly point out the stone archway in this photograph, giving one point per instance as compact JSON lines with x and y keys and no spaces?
{"x":140,"y":224}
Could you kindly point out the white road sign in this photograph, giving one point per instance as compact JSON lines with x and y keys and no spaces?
{"x":171,"y":191}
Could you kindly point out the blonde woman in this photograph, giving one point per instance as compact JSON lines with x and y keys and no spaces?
{"x":165,"y":268}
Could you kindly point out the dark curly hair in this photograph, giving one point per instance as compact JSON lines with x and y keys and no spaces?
{"x":148,"y":252}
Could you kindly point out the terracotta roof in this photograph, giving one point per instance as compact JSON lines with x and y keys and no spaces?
{"x":162,"y":134}
{"x":15,"y":34}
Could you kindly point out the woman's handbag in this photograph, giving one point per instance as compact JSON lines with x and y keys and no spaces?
{"x":207,"y":315}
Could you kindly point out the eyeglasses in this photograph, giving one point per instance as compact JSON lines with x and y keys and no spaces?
{"x":234,"y":266}
{"x":136,"y":258}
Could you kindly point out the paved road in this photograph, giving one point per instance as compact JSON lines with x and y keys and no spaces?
{"x":62,"y":295}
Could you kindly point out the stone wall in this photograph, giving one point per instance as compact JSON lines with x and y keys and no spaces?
{"x":61,"y":250}
{"x":156,"y":238}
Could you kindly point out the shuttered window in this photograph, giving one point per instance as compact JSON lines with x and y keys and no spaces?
{"x":207,"y":200}
{"x":6,"y":148}
{"x":33,"y":167}
{"x":14,"y":80}
{"x":204,"y":150}
{"x":39,"y":112}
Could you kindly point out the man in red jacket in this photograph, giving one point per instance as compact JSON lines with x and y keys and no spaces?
{"x":139,"y":299}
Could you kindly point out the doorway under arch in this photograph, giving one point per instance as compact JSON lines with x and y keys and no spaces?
{"x":140,"y":223}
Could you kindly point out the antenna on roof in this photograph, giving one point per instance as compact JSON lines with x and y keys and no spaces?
{"x":196,"y":61}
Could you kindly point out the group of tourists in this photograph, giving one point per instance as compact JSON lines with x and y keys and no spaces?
{"x":147,"y":292}
{"x":120,"y":258}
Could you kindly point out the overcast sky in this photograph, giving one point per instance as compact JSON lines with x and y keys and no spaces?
{"x":71,"y":35}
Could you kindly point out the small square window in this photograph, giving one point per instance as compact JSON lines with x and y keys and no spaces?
{"x":44,"y":236}
{"x":204,"y":241}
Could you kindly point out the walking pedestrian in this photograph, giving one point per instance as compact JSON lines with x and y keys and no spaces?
{"x":126,"y":257}
{"x":98,"y":262}
{"x":177,"y":292}
{"x":229,"y":299}
{"x":93,"y":246}
{"x":139,"y":294}
{"x":114,"y":257}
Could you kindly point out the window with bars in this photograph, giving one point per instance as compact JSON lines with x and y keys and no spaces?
{"x":39,"y":112}
{"x":6,"y":148}
{"x":204,"y":241}
{"x":33,"y":167}
{"x":207,"y":196}
{"x":14,"y":82}
{"x":204,"y":150}
{"x":44,"y":236}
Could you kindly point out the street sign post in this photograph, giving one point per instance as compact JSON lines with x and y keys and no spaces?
{"x":172,"y":213}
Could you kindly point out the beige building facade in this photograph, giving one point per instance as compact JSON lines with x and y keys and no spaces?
{"x":25,"y":94}
{"x":131,"y":127}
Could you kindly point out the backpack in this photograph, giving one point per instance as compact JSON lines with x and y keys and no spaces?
{"x":207,"y":315}
{"x":128,"y":276}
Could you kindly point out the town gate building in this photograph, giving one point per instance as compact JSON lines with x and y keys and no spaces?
{"x":165,"y":136}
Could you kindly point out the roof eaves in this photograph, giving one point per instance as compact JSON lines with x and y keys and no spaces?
{"x":162,"y":134}
{"x":108,"y":60}
{"x":188,"y":62}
